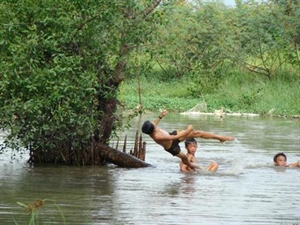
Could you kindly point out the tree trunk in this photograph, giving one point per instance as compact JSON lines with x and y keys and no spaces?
{"x":119,"y":158}
{"x":96,"y":154}
{"x":109,"y":81}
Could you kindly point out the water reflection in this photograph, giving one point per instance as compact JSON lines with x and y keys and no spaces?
{"x":247,"y":188}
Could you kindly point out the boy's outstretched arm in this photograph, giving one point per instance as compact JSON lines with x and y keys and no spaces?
{"x":295,"y":164}
{"x":186,"y":168}
{"x":186,"y":161}
{"x":162,"y":114}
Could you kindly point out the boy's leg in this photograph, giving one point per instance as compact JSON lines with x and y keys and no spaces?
{"x":213,"y":167}
{"x":183,"y":138}
{"x":208,"y":135}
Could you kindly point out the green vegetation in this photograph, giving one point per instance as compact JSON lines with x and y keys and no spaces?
{"x":245,"y":59}
{"x":244,"y":93}
{"x":61,"y":66}
{"x":64,"y":65}
{"x":33,"y":210}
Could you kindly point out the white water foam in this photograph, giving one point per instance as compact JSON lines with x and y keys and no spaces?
{"x":237,"y":164}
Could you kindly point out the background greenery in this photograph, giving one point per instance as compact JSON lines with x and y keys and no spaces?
{"x":64,"y":65}
{"x":242,"y":94}
{"x":244,"y":58}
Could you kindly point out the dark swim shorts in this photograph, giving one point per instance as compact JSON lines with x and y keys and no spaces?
{"x":175,"y":148}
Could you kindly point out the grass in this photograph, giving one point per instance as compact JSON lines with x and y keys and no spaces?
{"x":245,"y":93}
{"x":33,"y":210}
{"x":157,"y":95}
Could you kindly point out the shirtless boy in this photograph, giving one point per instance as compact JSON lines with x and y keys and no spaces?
{"x":170,"y":141}
{"x":191,"y":147}
{"x":280,"y":160}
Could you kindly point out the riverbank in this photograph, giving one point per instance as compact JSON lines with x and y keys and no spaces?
{"x":237,"y":96}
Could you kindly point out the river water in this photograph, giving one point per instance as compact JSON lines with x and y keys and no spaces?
{"x":246,"y":189}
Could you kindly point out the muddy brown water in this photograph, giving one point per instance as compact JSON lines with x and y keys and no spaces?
{"x":247,"y":188}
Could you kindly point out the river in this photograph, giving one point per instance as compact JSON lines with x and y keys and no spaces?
{"x":246,"y":189}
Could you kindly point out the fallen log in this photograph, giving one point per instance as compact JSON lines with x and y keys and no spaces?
{"x":119,"y":158}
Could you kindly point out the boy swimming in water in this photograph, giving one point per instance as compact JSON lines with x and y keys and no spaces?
{"x":191,"y":147}
{"x":170,"y":141}
{"x":280,"y":160}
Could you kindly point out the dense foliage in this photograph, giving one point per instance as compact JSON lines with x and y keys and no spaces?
{"x":244,"y":58}
{"x":62,"y":63}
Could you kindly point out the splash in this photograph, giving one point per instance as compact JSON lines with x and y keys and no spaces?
{"x":237,"y":164}
{"x":237,"y":167}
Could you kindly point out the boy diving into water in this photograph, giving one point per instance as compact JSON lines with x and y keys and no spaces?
{"x":170,"y":141}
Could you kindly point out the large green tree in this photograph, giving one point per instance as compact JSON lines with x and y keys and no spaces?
{"x":266,"y":35}
{"x":61,"y":66}
{"x":195,"y":42}
{"x":207,"y":39}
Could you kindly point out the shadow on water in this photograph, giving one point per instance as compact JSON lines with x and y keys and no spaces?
{"x":246,"y":189}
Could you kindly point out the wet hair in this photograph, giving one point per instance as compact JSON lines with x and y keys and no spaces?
{"x":147,"y":127}
{"x":190,"y":141}
{"x":277,"y":155}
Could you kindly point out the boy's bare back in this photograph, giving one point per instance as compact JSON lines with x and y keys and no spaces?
{"x":165,"y":139}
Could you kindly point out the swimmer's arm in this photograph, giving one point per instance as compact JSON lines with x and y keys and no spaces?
{"x":192,"y":160}
{"x":183,"y":167}
{"x":186,"y":168}
{"x":162,"y":114}
{"x":295,"y":164}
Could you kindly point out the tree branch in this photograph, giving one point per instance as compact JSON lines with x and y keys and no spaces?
{"x":148,"y":10}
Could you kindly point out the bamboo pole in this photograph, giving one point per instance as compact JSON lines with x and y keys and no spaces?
{"x":140,"y":153}
{"x":125,"y":142}
{"x":117,"y":145}
{"x":135,"y":149}
{"x":144,"y":151}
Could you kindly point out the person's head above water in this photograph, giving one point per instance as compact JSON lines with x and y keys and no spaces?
{"x":280,"y":159}
{"x":147,"y":127}
{"x":190,"y":141}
